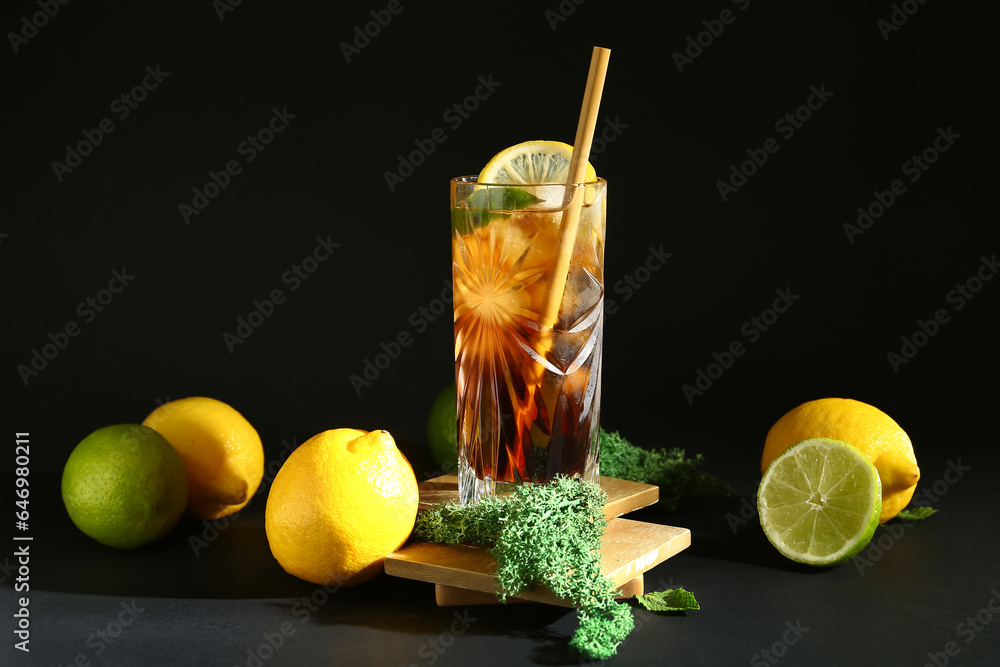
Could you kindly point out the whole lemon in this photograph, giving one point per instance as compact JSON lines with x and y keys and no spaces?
{"x":342,"y":501}
{"x":124,"y":486}
{"x":862,"y":425}
{"x":222,"y":453}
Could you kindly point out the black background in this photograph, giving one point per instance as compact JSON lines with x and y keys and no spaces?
{"x":670,"y":136}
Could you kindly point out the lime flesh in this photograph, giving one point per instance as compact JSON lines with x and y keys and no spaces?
{"x":819,"y":502}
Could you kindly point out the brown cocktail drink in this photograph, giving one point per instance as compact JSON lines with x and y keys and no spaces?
{"x":529,"y":383}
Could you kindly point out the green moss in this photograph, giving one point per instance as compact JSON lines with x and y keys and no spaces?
{"x":677,"y":475}
{"x":549,"y":534}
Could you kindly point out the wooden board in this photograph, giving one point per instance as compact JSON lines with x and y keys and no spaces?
{"x":450,"y":596}
{"x":623,"y":496}
{"x":629,"y":549}
{"x":464,"y":574}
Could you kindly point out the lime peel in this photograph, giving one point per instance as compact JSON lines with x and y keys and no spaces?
{"x":795,"y":508}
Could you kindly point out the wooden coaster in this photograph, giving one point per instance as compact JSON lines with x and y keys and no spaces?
{"x":464,"y":574}
{"x":449,"y":596}
{"x":623,"y":496}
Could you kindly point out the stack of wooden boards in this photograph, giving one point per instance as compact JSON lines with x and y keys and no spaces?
{"x":464,"y":574}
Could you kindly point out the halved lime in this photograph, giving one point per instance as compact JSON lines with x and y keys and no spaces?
{"x":819,"y":502}
{"x":532,"y":163}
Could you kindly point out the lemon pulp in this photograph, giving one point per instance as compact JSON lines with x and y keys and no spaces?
{"x":532,"y":162}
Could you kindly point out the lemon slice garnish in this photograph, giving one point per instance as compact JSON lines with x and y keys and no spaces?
{"x":532,"y":162}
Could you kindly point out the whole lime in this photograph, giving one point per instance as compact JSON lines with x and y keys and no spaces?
{"x":124,"y":486}
{"x":442,"y":429}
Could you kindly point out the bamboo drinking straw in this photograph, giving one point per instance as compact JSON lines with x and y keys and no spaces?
{"x":570,"y":224}
{"x":577,"y":170}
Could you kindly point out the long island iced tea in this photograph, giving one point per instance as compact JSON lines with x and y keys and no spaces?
{"x":528,"y":394}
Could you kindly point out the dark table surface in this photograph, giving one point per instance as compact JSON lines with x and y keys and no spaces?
{"x":211,"y":594}
{"x":169,"y":168}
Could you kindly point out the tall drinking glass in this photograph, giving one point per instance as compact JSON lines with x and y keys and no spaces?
{"x":529,"y":390}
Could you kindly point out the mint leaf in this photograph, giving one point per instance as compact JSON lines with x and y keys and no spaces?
{"x":501,"y":199}
{"x":464,"y":220}
{"x":916,"y":514}
{"x":672,"y":599}
{"x":488,"y":204}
